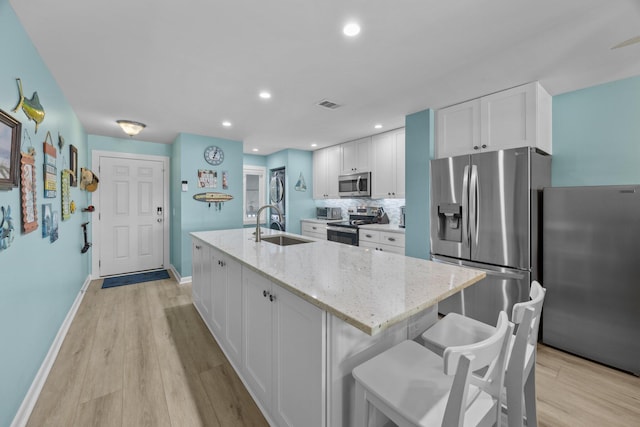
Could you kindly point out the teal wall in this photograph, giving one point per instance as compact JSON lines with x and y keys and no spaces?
{"x":596,"y":135}
{"x":298,"y":204}
{"x":128,"y":145}
{"x":39,"y":280}
{"x":254,"y":160}
{"x":199,"y":216}
{"x":419,"y":142}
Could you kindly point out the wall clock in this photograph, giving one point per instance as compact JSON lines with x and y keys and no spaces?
{"x":214,"y":155}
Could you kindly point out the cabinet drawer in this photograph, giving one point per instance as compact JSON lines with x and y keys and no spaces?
{"x":393,"y":239}
{"x":310,"y":227}
{"x":369,"y":236}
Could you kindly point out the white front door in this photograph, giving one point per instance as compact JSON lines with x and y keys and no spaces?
{"x":131,"y":215}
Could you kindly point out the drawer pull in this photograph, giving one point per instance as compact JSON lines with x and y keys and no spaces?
{"x":368,"y":235}
{"x":391,"y":239}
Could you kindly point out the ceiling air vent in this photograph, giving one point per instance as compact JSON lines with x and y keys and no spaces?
{"x":328,"y":104}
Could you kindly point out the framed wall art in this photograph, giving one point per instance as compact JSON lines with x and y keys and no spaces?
{"x":73,"y":165}
{"x":10,"y":132}
{"x":28,"y":184}
{"x":50,"y":168}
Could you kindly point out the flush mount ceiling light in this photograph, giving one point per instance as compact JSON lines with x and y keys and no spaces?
{"x":351,"y":29}
{"x":131,"y":128}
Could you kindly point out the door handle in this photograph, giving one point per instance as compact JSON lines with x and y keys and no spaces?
{"x":465,"y":205}
{"x":159,"y":220}
{"x":475,"y":204}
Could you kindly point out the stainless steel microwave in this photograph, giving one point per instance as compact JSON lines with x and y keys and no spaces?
{"x":355,"y":185}
{"x":329,"y":213}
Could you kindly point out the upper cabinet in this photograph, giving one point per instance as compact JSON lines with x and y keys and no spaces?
{"x":356,"y":156}
{"x":326,"y":169}
{"x":516,"y":117}
{"x":387,"y":173}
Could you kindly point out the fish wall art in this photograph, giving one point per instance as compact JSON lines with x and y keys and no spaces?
{"x":31,"y":107}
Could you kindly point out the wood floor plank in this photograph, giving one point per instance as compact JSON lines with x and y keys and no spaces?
{"x":103,"y":411}
{"x":232,"y":402}
{"x":144,"y":402}
{"x":186,"y":398}
{"x":105,"y":368}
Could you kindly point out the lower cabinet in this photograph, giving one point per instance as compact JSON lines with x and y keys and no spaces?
{"x":382,"y":241}
{"x":201,"y":278}
{"x":313,"y":229}
{"x":284,"y":352}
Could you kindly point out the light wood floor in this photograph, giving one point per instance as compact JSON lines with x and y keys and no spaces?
{"x":140,"y":355}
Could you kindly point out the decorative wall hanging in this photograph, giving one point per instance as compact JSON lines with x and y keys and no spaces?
{"x":301,"y":185}
{"x":225,"y":180}
{"x":31,"y":107}
{"x":65,"y":191}
{"x":216,"y":198}
{"x":50,"y":172}
{"x":28,"y":184}
{"x":10,"y":131}
{"x":73,"y":165}
{"x":6,"y":228}
{"x":60,"y":142}
{"x":54,"y":227}
{"x":47,"y":220}
{"x":214,"y":155}
{"x":207,"y":178}
{"x":87,"y":244}
{"x":88,"y":180}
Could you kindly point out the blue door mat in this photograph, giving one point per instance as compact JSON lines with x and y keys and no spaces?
{"x":112,"y":282}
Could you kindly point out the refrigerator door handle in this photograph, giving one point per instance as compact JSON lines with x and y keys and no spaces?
{"x":474,"y":201}
{"x":465,"y":206}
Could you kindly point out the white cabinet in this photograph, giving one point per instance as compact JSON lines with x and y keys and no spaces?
{"x":458,"y":129}
{"x":386,"y":241}
{"x":388,"y":169}
{"x":326,"y":169}
{"x":356,"y":156}
{"x":201,"y":278}
{"x":284,"y":352}
{"x":517,"y":117}
{"x":313,"y":229}
{"x":226,"y":303}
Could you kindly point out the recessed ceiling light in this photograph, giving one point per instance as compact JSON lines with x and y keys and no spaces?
{"x":378,"y":126}
{"x":255,"y":149}
{"x":314,"y":145}
{"x":265,"y":95}
{"x":351,"y":29}
{"x":226,"y":123}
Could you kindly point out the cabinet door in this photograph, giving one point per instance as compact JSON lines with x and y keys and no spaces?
{"x":508,"y":118}
{"x":458,"y":129}
{"x":320,"y":174}
{"x":299,"y":359}
{"x":197,"y":249}
{"x":333,"y":171}
{"x":257,"y":327}
{"x":399,"y":165}
{"x":233,"y":323}
{"x":383,"y":175}
{"x":356,"y":156}
{"x":218,"y":295}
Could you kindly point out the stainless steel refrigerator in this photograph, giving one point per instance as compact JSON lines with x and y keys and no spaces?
{"x":591,"y":269}
{"x":484,"y":214}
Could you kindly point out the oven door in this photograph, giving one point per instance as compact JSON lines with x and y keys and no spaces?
{"x":345,"y":235}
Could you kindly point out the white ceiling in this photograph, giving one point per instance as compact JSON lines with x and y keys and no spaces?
{"x":185,"y":66}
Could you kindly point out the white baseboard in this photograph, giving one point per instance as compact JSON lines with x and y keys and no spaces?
{"x":29,"y":402}
{"x":181,"y":280}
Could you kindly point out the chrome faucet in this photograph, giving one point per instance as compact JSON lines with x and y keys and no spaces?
{"x":258,"y":218}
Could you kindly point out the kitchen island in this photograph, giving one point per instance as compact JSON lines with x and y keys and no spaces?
{"x":294,"y":320}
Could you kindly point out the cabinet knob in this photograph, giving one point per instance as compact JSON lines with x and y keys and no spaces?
{"x":484,"y":145}
{"x":272,"y":298}
{"x":314,"y":228}
{"x":264,"y":293}
{"x":198,"y":247}
{"x":475,"y":147}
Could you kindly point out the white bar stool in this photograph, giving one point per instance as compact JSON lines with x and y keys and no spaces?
{"x":456,"y":330}
{"x":413,"y":386}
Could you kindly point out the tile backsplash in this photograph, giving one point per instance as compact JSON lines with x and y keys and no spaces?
{"x":390,"y":206}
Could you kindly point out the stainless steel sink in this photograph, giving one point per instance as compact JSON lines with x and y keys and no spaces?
{"x":284,"y":240}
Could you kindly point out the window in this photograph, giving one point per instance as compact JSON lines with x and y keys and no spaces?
{"x":254,"y":193}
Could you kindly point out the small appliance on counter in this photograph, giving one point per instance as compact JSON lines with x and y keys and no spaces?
{"x":328,"y":213}
{"x":402,"y":212}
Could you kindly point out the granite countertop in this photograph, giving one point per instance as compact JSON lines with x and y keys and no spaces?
{"x":370,"y":290}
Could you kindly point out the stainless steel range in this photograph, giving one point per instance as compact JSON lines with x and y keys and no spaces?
{"x":347,"y":231}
